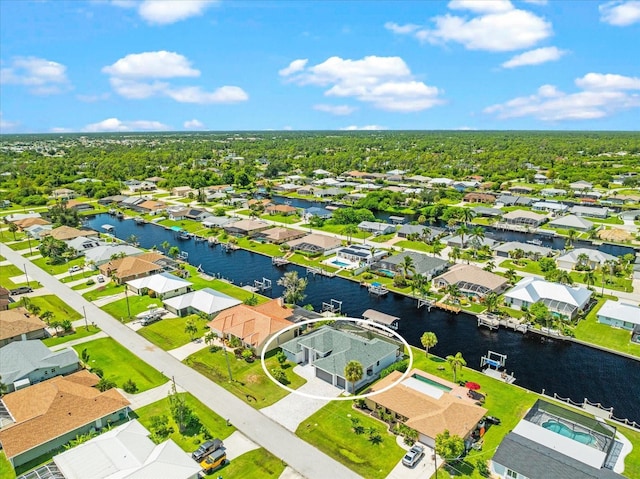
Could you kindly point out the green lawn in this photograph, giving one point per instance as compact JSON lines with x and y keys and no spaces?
{"x":169,"y":333}
{"x":79,"y":333}
{"x":127,"y":308}
{"x":286,"y":219}
{"x":59,"y":268}
{"x":49,"y":302}
{"x":20,"y":245}
{"x":330,"y":430}
{"x":256,"y":464}
{"x":338,"y":229}
{"x":103,"y":290}
{"x":612,"y":282}
{"x":189,"y":439}
{"x":382,"y":238}
{"x":6,"y":469}
{"x":9,"y":271}
{"x":249,"y":381}
{"x":415,"y":245}
{"x":120,"y":365}
{"x":591,"y":331}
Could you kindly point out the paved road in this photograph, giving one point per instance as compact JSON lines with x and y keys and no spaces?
{"x":304,"y":458}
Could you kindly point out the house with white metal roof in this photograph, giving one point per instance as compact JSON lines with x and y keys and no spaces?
{"x":563,"y":300}
{"x":619,"y":314}
{"x":126,"y":451}
{"x":591,"y":211}
{"x":164,"y":285}
{"x":206,"y":300}
{"x":549,"y":206}
{"x":528,"y":249}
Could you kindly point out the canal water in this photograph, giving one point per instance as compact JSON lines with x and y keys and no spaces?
{"x":557,"y":243}
{"x":568,"y":369}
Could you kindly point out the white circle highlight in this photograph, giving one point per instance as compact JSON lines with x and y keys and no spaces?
{"x":341,"y":398}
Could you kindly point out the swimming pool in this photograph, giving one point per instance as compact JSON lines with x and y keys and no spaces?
{"x":559,"y":428}
{"x":341,"y":264}
{"x":387,"y":273}
{"x":431,"y":382}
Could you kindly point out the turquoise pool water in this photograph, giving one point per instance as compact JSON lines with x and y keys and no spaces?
{"x":386,"y":272}
{"x":339,"y":263}
{"x":435,"y":384}
{"x":559,"y":428}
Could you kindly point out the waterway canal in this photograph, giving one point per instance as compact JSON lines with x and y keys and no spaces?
{"x":568,"y":369}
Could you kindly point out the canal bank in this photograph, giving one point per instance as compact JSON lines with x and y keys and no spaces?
{"x":566,"y":368}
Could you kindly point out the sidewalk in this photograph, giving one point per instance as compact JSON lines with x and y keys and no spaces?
{"x":86,"y":339}
{"x":152,"y":395}
{"x":188,"y":349}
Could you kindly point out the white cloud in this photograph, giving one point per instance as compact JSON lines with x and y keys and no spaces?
{"x":294,"y":66}
{"x":339,"y":110}
{"x":165,"y":12}
{"x":6,"y":124}
{"x":401,"y":29}
{"x":114,"y":124}
{"x":137,"y":76}
{"x":193,"y":125}
{"x":602,"y":95}
{"x":496,"y":26}
{"x":287,"y":128}
{"x":536,"y":2}
{"x":160,"y":64}
{"x":466,"y":128}
{"x":384,"y":82}
{"x":61,"y":129}
{"x":620,"y":13}
{"x":481,"y":6}
{"x":608,"y":81}
{"x":364,"y":128}
{"x":195,"y":94}
{"x":535,"y":57}
{"x":93,"y":98}
{"x":41,"y":76}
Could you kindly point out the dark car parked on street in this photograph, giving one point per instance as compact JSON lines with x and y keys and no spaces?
{"x":20,"y":290}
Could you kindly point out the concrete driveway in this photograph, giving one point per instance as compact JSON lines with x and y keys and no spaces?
{"x":291,"y":410}
{"x":424,"y":468}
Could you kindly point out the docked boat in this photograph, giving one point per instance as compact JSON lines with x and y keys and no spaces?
{"x":139,"y":220}
{"x":184,"y":235}
{"x":535,"y":241}
{"x":108,"y":228}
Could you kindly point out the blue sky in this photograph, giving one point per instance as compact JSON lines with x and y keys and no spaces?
{"x":233,"y":65}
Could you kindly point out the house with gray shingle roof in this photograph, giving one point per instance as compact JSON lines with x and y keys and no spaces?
{"x":23,"y":363}
{"x":571,"y":222}
{"x":427,"y":266}
{"x":329,"y":350}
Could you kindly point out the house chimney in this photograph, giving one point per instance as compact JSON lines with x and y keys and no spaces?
{"x":281,"y":302}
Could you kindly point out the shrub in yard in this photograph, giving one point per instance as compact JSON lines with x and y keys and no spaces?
{"x":399,"y":366}
{"x":367,"y":276}
{"x":160,"y":429}
{"x":105,"y":384}
{"x":247,"y":354}
{"x":482,"y":467}
{"x":279,"y":375}
{"x":90,"y":282}
{"x":130,"y":386}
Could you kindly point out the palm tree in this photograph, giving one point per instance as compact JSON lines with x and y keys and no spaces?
{"x":173,"y":252}
{"x":571,"y":235}
{"x":467,"y":215}
{"x":210,"y":337}
{"x":491,"y":301}
{"x":582,"y":260}
{"x":454,"y":254}
{"x":428,"y":340}
{"x":191,"y":328}
{"x":456,"y":362}
{"x":353,"y":373}
{"x":437,"y":247}
{"x":462,"y":230}
{"x":349,"y":231}
{"x":13,"y":228}
{"x":453,"y":290}
{"x":165,"y":245}
{"x":293,"y":287}
{"x":46,"y":316}
{"x":490,"y":266}
{"x":511,"y":275}
{"x":589,"y":278}
{"x":406,"y":266}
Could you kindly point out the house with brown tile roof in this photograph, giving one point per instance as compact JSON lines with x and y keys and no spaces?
{"x":152,"y":206}
{"x":284,"y":210}
{"x":65,"y":233}
{"x":316,"y":243}
{"x":49,"y":414}
{"x":475,"y":197}
{"x":80,"y":205}
{"x":131,"y":267}
{"x":255,"y":325}
{"x":279,"y":235}
{"x":4,"y":299}
{"x":18,"y":324}
{"x":471,"y":280}
{"x":28,"y":222}
{"x":429,"y":409}
{"x":246,"y":227}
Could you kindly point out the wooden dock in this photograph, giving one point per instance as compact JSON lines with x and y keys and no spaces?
{"x":492,"y":321}
{"x":499,"y":375}
{"x":315,"y":270}
{"x":447,"y":307}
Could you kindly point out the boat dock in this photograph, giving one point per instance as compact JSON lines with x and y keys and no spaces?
{"x":377,"y":289}
{"x":334,"y":306}
{"x":493,"y":365}
{"x":447,"y":307}
{"x":279,"y":261}
{"x":381,"y":318}
{"x":262,"y":285}
{"x":213,"y":240}
{"x":315,"y":270}
{"x":229,"y":247}
{"x":492,"y":321}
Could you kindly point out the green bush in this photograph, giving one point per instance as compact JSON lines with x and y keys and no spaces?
{"x":90,"y":282}
{"x":399,"y":366}
{"x":130,"y":386}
